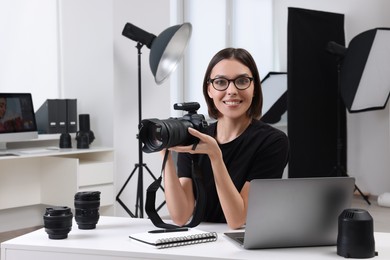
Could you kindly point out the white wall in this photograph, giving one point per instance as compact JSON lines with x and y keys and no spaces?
{"x":240,"y":23}
{"x":61,"y":49}
{"x":86,"y":62}
{"x":207,"y":38}
{"x":29,"y":48}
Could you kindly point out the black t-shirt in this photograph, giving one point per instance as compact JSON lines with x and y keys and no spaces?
{"x":260,"y":152}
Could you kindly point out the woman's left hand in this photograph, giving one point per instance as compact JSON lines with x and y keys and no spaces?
{"x":207,"y":145}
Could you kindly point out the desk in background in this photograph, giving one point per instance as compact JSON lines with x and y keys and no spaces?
{"x":110,"y":240}
{"x":52,"y":176}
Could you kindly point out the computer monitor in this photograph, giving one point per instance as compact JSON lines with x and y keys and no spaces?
{"x":17,"y":118}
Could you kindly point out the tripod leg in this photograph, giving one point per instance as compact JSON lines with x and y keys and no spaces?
{"x":340,"y":171}
{"x":121,"y":190}
{"x":361,"y":194}
{"x":139,"y":200}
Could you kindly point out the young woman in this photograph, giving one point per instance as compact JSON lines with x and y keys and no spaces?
{"x":235,"y":149}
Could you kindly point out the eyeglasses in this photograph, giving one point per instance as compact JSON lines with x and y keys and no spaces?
{"x":222,"y":84}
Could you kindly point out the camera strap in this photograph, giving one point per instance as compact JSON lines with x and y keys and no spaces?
{"x":197,"y":217}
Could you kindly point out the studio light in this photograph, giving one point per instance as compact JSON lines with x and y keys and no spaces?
{"x":363,"y":76}
{"x":365,"y":71}
{"x":274,"y":87}
{"x":166,"y":51}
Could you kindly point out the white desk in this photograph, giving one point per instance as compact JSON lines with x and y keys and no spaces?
{"x":110,"y":241}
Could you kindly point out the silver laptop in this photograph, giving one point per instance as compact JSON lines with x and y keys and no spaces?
{"x":294,"y":212}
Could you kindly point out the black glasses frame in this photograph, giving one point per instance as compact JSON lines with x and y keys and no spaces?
{"x":231,"y":80}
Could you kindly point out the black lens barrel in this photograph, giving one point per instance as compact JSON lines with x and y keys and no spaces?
{"x":58,"y":222}
{"x":87,"y":205}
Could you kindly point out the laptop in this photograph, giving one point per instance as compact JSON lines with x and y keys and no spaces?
{"x":294,"y":212}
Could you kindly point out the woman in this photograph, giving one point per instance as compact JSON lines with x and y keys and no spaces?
{"x":234,"y":150}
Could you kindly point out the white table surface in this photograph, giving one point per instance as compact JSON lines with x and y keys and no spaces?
{"x":110,"y":240}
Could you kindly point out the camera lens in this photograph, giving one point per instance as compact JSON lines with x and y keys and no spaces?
{"x":58,"y":222}
{"x":82,"y":139}
{"x":154,"y":135}
{"x":158,"y":134}
{"x":87,"y":205}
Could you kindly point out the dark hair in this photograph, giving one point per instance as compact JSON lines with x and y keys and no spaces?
{"x":244,"y":57}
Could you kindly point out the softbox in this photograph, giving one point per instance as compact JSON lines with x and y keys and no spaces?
{"x":365,"y":71}
{"x":274,"y":88}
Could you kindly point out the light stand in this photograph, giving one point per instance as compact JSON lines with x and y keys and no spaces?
{"x":166,"y":51}
{"x":339,"y":169}
{"x":363,"y":77}
{"x":140,"y":165}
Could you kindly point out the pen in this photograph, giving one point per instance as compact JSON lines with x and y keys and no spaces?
{"x":167,"y":230}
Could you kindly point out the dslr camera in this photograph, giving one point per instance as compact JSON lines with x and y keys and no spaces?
{"x":157,"y":135}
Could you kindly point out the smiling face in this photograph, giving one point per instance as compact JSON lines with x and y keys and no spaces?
{"x":232,"y":102}
{"x":232,"y":61}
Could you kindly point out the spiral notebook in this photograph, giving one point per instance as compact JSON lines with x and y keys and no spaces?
{"x":174,"y":239}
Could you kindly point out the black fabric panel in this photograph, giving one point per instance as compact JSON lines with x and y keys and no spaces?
{"x":312,"y":94}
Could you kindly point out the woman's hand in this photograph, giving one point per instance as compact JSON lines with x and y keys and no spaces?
{"x":207,"y":145}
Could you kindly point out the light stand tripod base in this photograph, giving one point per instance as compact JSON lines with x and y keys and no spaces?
{"x":139,"y":211}
{"x":340,"y":172}
{"x":139,"y":207}
{"x":365,"y":197}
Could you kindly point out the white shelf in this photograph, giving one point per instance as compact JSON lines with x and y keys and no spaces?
{"x":52,"y":177}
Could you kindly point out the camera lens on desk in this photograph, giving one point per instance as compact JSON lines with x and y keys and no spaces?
{"x":87,"y":205}
{"x":58,"y":222}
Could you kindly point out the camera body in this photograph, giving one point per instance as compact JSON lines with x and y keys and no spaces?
{"x":157,"y":134}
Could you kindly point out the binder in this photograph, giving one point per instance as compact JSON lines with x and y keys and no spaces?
{"x":72,"y":115}
{"x":61,"y":115}
{"x":57,"y":116}
{"x":46,"y":117}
